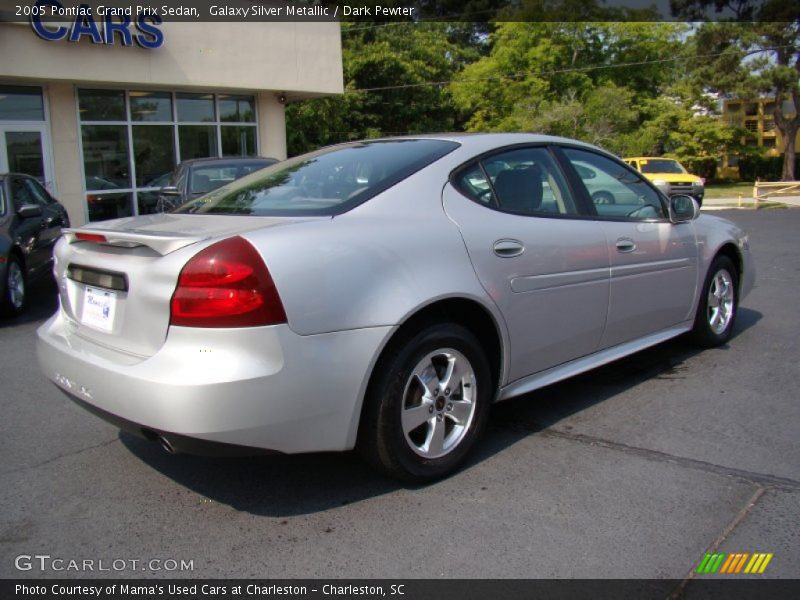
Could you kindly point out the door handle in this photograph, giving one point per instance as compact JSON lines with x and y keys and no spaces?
{"x":625,"y":245}
{"x":508,"y":248}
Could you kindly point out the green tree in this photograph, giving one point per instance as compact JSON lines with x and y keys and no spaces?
{"x":391,"y":75}
{"x":748,"y":60}
{"x":536,"y":67}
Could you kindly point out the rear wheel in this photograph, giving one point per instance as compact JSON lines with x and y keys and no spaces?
{"x":428,"y":404}
{"x":13,"y":302}
{"x":716,"y":312}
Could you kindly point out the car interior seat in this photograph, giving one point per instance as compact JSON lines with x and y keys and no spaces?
{"x":520,"y":190}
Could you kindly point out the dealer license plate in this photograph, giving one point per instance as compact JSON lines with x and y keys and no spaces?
{"x":99,"y":308}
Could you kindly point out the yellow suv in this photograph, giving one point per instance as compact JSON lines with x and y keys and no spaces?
{"x":668,"y":175}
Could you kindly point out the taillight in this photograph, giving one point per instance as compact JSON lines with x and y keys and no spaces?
{"x":226,"y":285}
{"x":90,"y":237}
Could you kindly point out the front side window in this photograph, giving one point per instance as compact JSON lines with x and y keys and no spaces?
{"x":326,"y":182}
{"x":616,"y":191}
{"x":21,"y":194}
{"x":521,"y":181}
{"x":38,"y":193}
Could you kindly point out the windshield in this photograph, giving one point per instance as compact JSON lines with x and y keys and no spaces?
{"x":326,"y":182}
{"x":661,"y":165}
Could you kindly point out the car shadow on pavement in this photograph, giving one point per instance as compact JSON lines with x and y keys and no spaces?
{"x":546,"y":407}
{"x":283,"y":485}
{"x":42,"y":303}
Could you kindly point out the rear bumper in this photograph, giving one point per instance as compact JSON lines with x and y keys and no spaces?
{"x":263,"y":388}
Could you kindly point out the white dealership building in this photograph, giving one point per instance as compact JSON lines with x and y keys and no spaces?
{"x":101,"y":114}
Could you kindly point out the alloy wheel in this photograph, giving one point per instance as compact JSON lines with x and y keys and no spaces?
{"x":439,"y":403}
{"x":720,"y":301}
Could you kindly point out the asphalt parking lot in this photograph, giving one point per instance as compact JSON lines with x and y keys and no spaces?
{"x":633,"y":470}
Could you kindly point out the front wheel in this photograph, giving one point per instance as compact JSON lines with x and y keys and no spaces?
{"x":428,"y":406}
{"x":716,"y":312}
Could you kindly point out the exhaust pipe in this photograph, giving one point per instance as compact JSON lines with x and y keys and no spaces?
{"x":164,"y":443}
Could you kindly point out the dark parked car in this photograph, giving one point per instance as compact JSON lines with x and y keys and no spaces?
{"x":193,"y":178}
{"x":30,"y":223}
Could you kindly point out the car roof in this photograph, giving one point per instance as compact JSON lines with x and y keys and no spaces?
{"x":478,"y":143}
{"x":650,"y":158}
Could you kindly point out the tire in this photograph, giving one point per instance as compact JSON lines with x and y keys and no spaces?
{"x":416,"y":425}
{"x":603,"y":198}
{"x":719,"y":302}
{"x":15,"y":289}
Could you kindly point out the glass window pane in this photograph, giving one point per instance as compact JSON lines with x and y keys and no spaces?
{"x":24,"y":151}
{"x":153,"y":153}
{"x":109,"y":206}
{"x":195,"y":107}
{"x":150,"y":106}
{"x":148,"y":202}
{"x":238,"y":141}
{"x":101,"y":105}
{"x":105,"y":156}
{"x":21,"y":193}
{"x":197,"y":141}
{"x":527,"y":181}
{"x":38,"y":193}
{"x":473,"y":184}
{"x":21,"y":103}
{"x":237,"y":108}
{"x":616,"y":191}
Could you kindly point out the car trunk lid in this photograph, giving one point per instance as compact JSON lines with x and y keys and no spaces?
{"x":116,"y":278}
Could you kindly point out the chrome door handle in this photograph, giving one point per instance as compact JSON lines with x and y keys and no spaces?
{"x":625,"y":245}
{"x":508,"y":248}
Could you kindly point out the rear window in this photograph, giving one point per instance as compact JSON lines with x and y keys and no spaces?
{"x":326,"y":182}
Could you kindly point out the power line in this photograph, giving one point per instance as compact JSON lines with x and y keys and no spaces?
{"x":515,"y":76}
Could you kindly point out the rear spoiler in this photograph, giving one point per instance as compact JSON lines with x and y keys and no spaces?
{"x":163,"y":243}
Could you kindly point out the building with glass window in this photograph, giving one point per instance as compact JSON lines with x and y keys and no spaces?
{"x":756,"y":116}
{"x":102,"y":121}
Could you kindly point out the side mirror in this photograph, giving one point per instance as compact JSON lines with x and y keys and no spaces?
{"x":27,"y":211}
{"x":683,"y":208}
{"x":169,"y":190}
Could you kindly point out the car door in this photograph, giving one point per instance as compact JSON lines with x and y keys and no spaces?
{"x":543,"y":263}
{"x":27,"y":231}
{"x":653,"y":261}
{"x":54,"y":217}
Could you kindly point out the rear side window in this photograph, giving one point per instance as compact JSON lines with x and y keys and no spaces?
{"x":522,"y":181}
{"x":326,"y":182}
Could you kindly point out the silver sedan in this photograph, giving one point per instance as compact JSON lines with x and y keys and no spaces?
{"x":381,"y":295}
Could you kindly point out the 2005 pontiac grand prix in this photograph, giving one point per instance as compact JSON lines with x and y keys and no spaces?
{"x":381,"y":295}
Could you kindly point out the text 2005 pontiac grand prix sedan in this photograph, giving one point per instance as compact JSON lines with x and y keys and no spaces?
{"x":381,"y":295}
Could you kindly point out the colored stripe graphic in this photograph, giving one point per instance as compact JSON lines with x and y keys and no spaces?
{"x":732,"y":558}
{"x":733,"y":563}
{"x":741,"y":562}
